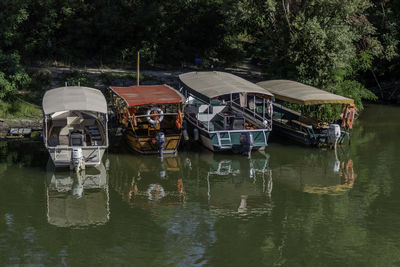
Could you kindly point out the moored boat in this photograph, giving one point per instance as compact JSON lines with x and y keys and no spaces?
{"x":302,"y":127}
{"x":151,"y":115}
{"x":75,"y":126}
{"x":226,"y":112}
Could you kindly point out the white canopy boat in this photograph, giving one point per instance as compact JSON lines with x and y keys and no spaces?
{"x":75,"y":126}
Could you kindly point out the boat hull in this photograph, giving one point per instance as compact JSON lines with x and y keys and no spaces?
{"x":217,"y":140}
{"x":317,"y":139}
{"x":62,"y":156}
{"x":148,"y":144}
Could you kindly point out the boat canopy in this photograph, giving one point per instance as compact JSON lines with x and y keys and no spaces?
{"x":74,"y":98}
{"x":148,"y":95}
{"x":302,"y":94}
{"x":209,"y":84}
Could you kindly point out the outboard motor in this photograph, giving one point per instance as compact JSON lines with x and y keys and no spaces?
{"x":333,"y":133}
{"x":246,"y":143}
{"x":160,"y":138}
{"x":77,"y":159}
{"x":184,"y":131}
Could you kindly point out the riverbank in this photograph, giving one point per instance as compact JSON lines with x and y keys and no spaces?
{"x":52,"y":77}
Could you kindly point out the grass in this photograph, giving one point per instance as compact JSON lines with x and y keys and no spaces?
{"x":19,"y":109}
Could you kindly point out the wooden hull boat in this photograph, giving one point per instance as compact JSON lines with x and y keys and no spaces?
{"x":151,"y":115}
{"x":148,"y":144}
{"x":227,"y":113}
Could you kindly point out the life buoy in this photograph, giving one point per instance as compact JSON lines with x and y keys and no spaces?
{"x":154,"y":115}
{"x":347,"y":116}
{"x":179,"y":120}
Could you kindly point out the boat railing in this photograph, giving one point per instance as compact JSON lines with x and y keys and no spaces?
{"x":253,"y":113}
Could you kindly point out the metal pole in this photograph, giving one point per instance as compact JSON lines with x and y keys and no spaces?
{"x":137,"y":68}
{"x":255,"y":106}
{"x":208,"y":118}
{"x":106,"y":117}
{"x":263,"y":110}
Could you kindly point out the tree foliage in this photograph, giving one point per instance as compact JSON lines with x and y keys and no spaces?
{"x":331,"y":44}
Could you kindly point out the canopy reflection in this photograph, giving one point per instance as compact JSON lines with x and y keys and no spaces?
{"x":76,"y":199}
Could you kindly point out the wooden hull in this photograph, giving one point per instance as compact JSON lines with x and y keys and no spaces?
{"x":148,"y":144}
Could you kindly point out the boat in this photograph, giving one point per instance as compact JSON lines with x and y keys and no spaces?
{"x":75,"y":126}
{"x":151,"y":116}
{"x":304,"y":128}
{"x":225,"y":112}
{"x":77,"y":199}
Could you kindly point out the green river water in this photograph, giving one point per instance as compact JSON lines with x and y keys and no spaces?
{"x":292,"y":206}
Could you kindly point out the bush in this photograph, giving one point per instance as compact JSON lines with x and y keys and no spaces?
{"x":78,"y":78}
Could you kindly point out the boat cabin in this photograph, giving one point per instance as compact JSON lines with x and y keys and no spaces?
{"x":302,"y":127}
{"x":151,"y":115}
{"x":226,"y":112}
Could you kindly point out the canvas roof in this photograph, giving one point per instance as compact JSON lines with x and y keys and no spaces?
{"x":148,"y":95}
{"x":210,"y":84}
{"x":74,"y":98}
{"x":299,"y":93}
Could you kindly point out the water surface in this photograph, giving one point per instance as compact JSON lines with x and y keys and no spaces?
{"x":290,"y":206}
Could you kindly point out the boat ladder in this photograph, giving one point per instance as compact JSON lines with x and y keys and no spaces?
{"x":224,"y":142}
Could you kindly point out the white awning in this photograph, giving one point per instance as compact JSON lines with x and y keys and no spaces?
{"x":210,"y":84}
{"x":74,"y":98}
{"x":302,"y":94}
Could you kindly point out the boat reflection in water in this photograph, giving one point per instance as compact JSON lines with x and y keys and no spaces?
{"x":319,"y":172}
{"x":236,"y":185}
{"x":77,"y":199}
{"x":228,"y":183}
{"x":145,"y":180}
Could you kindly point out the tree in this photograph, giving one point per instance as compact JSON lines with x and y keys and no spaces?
{"x":12,"y":75}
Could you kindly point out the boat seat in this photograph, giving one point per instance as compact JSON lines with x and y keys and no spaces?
{"x":238,"y":122}
{"x":94,"y":132}
{"x":77,"y":139}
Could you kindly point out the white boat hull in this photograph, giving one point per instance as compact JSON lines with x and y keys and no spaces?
{"x":62,"y":156}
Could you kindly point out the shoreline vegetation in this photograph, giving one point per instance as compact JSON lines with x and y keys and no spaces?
{"x":346,"y":48}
